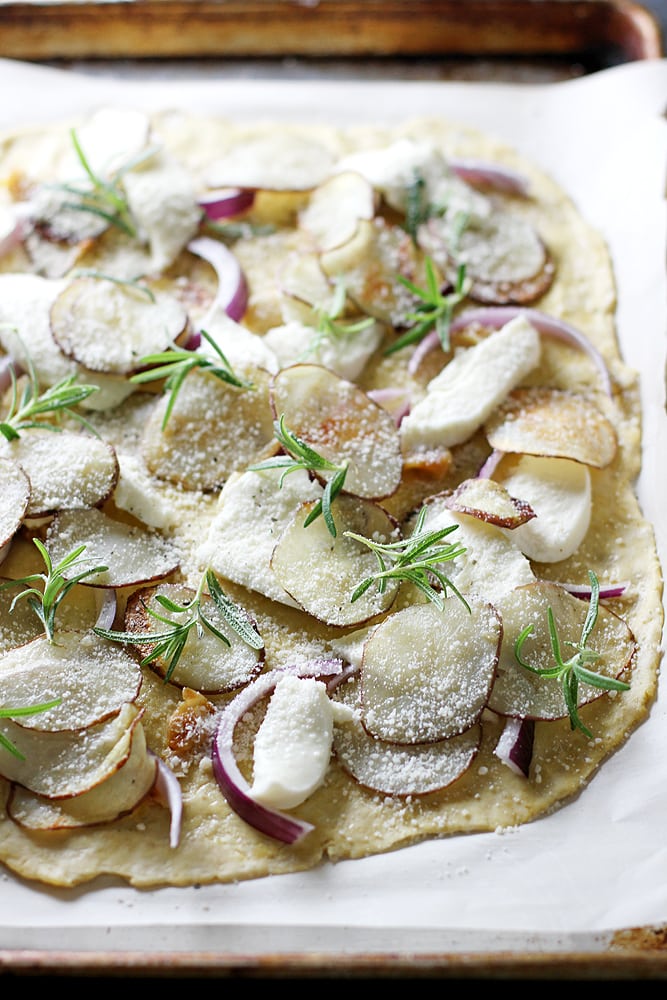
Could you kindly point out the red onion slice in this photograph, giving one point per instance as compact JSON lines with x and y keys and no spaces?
{"x":497,"y":316}
{"x":168,"y":790}
{"x":233,"y":785}
{"x":232,"y":293}
{"x":482,"y":173}
{"x":515,"y":746}
{"x":107,"y":605}
{"x":607,"y":592}
{"x":226,"y":203}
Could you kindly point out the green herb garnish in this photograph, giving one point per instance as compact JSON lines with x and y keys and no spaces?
{"x":10,"y":713}
{"x":434,"y":310}
{"x":415,"y":559}
{"x":169,"y":643}
{"x":57,"y":582}
{"x":176,"y":364}
{"x":330,"y":327}
{"x":418,"y":210}
{"x":300,"y":455}
{"x":33,"y":406}
{"x":574,"y":671}
{"x":135,"y":283}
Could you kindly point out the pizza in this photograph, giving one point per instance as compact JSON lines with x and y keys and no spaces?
{"x":320,"y":532}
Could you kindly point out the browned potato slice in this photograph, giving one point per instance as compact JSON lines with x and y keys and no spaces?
{"x":15,"y":493}
{"x":321,"y":572}
{"x":489,"y":501}
{"x":93,"y":678}
{"x":213,"y":430}
{"x":132,"y":554}
{"x":108,"y":326}
{"x":520,"y":692}
{"x":335,"y":208}
{"x":118,"y":795}
{"x":369,"y":265}
{"x":505,"y":259}
{"x":338,"y":420}
{"x":67,"y":469}
{"x":426,"y":674}
{"x":60,"y":765}
{"x":206,"y":663}
{"x":552,"y":423}
{"x":396,"y":769}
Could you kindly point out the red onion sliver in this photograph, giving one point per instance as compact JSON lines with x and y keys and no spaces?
{"x":498,"y":316}
{"x":515,"y":746}
{"x":168,"y":789}
{"x":232,"y":293}
{"x":226,"y":203}
{"x":487,"y":469}
{"x":8,"y":364}
{"x":479,"y":172}
{"x":233,"y":785}
{"x":607,"y":592}
{"x":106,"y":607}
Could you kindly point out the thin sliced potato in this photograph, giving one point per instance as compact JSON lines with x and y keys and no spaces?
{"x":206,"y":664}
{"x":93,"y":679}
{"x":17,"y":625}
{"x":15,"y":493}
{"x":67,"y":469}
{"x":117,"y":796}
{"x":288,"y":160}
{"x":395,"y":769}
{"x":108,"y":326}
{"x":341,"y":422}
{"x":520,"y":692}
{"x":426,"y":673}
{"x":335,"y":208}
{"x":131,"y":553}
{"x":321,"y":572}
{"x":490,"y":501}
{"x":214,"y":429}
{"x":60,"y":765}
{"x":552,"y":423}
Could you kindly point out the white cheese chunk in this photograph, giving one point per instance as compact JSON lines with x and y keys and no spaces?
{"x":253,"y":511}
{"x":293,"y":744}
{"x":559,"y":491}
{"x":241,"y":346}
{"x":467,"y":390}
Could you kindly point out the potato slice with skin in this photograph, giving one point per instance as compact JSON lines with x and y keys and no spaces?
{"x":60,"y":765}
{"x":338,"y":420}
{"x":108,"y":326}
{"x":490,"y":501}
{"x":206,"y":663}
{"x":67,"y":469}
{"x":214,"y":429}
{"x":520,"y":692}
{"x":321,"y":572}
{"x":426,"y":673}
{"x":559,"y":492}
{"x":93,"y":678}
{"x":552,"y":423}
{"x":15,"y":493}
{"x":133,"y":554}
{"x":117,"y":796}
{"x":335,"y":208}
{"x":396,"y":769}
{"x":19,"y":625}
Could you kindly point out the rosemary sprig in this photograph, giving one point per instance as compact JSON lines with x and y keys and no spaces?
{"x":435,"y":309}
{"x":135,"y":283}
{"x":299,"y":455}
{"x":33,"y":406}
{"x":57,"y":582}
{"x":169,"y":643}
{"x":10,"y":713}
{"x":418,"y":210}
{"x":176,"y":364}
{"x":574,"y":671}
{"x":415,"y":559}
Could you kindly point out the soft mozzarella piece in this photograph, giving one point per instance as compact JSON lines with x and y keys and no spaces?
{"x":464,"y":394}
{"x":240,"y":346}
{"x":254,"y":510}
{"x":293,"y":744}
{"x":492,"y":564}
{"x":162,"y":198}
{"x":346,"y":356}
{"x":559,"y":491}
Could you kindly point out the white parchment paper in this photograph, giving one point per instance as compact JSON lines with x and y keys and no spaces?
{"x":562,"y":883}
